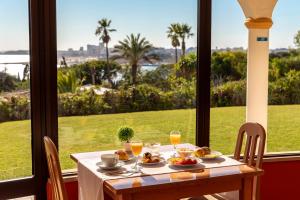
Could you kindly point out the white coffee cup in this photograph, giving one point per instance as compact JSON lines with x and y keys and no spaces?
{"x":110,"y":160}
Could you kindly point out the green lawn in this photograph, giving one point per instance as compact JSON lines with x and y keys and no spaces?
{"x":98,"y":132}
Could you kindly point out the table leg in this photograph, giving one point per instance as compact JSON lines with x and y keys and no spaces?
{"x":124,"y":197}
{"x":247,"y":189}
{"x":107,"y":197}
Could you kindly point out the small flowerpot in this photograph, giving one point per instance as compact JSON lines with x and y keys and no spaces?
{"x":127,"y":147}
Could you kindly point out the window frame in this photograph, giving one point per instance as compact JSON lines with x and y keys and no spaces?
{"x":43,"y":94}
{"x":43,"y":91}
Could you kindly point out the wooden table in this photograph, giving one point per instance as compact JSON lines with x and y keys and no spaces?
{"x":185,"y":184}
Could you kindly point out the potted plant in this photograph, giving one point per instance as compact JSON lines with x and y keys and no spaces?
{"x":125,"y":134}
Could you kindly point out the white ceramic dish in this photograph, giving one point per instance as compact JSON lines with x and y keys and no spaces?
{"x":117,"y":166}
{"x":162,"y":160}
{"x":213,"y":155}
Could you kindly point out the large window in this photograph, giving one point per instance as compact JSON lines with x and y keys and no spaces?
{"x":284,"y":79}
{"x":228,"y":74}
{"x":141,"y":75}
{"x":15,"y":124}
{"x":97,"y":96}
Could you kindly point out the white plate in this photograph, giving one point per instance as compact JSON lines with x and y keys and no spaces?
{"x":213,"y":155}
{"x":162,"y":160}
{"x":117,"y":166}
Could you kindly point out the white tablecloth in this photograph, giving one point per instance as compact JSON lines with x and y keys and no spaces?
{"x":91,"y":178}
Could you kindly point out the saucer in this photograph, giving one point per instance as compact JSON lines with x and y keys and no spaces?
{"x":117,"y":166}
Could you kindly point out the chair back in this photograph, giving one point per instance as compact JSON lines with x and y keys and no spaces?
{"x":59,"y":190}
{"x":255,"y":134}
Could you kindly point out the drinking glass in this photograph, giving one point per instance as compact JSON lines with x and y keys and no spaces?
{"x":175,"y":137}
{"x":136,"y":148}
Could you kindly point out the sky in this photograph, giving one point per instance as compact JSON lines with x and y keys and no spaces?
{"x":77,"y":21}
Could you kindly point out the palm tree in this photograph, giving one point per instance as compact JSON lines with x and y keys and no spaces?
{"x":135,"y":49}
{"x":184,"y":33}
{"x":173,"y":34}
{"x":103,"y":31}
{"x":67,"y":82}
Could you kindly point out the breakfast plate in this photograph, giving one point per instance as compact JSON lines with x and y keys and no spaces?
{"x":150,"y":159}
{"x":161,"y":161}
{"x":131,"y":158}
{"x":213,"y":155}
{"x":124,"y":156}
{"x":182,"y":162}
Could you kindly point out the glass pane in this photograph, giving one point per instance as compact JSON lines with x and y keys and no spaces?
{"x":228,"y":75}
{"x":15,"y":125}
{"x":284,"y":79}
{"x":133,"y":88}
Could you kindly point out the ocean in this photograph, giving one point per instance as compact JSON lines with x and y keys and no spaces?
{"x":14,"y":64}
{"x":11,"y":65}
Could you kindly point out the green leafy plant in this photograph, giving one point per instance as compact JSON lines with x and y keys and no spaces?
{"x":125,"y":134}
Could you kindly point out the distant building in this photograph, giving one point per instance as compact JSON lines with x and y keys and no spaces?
{"x":81,"y":51}
{"x":95,"y":50}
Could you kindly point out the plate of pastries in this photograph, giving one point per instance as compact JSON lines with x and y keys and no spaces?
{"x":205,"y":153}
{"x":124,"y":156}
{"x":149,"y":159}
{"x":182,"y":162}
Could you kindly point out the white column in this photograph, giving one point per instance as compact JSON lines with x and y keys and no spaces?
{"x":257,"y":76}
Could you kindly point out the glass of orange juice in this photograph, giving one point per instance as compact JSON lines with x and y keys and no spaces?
{"x":136,"y":148}
{"x":175,"y":137}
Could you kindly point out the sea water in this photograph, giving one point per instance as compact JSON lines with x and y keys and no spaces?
{"x":13,"y":64}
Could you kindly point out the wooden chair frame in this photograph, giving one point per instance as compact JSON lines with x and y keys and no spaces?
{"x":255,"y":134}
{"x":59,"y":190}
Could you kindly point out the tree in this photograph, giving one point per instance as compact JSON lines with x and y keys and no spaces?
{"x":7,"y":82}
{"x":228,"y":66}
{"x":173,"y":34}
{"x":159,"y":77}
{"x":297,"y":39}
{"x":26,"y":72}
{"x":63,"y":62}
{"x":67,"y":82}
{"x":103,"y":31}
{"x":135,"y":50}
{"x":96,"y":71}
{"x":186,"y":67}
{"x":18,"y":77}
{"x":184,"y":33}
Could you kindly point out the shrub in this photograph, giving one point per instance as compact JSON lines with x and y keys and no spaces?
{"x":19,"y":108}
{"x":186,"y":66}
{"x":183,"y":93}
{"x":136,"y":98}
{"x":229,"y":94}
{"x":4,"y":110}
{"x":228,"y":66}
{"x":285,"y":90}
{"x":14,"y":108}
{"x":125,"y":134}
{"x":158,"y":77}
{"x":80,"y":103}
{"x":67,"y":81}
{"x":281,"y":66}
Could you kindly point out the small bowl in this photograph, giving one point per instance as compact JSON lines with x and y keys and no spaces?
{"x":184,"y":152}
